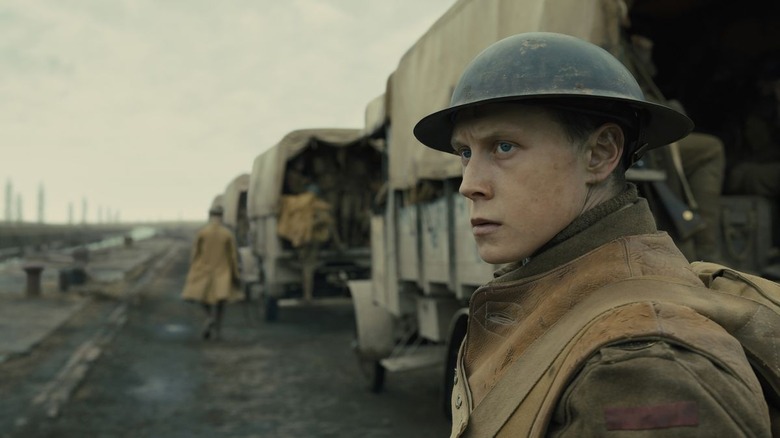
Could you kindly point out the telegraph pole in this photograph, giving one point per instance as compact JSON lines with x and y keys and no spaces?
{"x":41,"y":204}
{"x":9,"y":195}
{"x":19,"y":210}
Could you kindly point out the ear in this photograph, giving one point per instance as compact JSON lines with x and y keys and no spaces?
{"x":605,"y":147}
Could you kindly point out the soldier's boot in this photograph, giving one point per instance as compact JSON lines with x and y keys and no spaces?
{"x":216,"y":330}
{"x":208,"y":325}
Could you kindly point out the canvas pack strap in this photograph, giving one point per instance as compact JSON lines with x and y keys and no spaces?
{"x":753,"y":324}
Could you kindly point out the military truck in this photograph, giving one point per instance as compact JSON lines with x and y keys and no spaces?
{"x":234,"y":205}
{"x":413,"y":310}
{"x":216,"y":201}
{"x":234,"y":202}
{"x":309,"y":202}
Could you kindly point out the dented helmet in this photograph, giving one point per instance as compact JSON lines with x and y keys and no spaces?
{"x":559,"y":71}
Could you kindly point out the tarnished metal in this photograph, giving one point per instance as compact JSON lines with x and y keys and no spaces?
{"x":559,"y":70}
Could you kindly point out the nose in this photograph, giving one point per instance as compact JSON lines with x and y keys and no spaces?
{"x":476,"y":181}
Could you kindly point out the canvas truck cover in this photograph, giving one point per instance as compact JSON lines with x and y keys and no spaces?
{"x":376,"y":115}
{"x":231,"y":197}
{"x":427,"y":73}
{"x":217,"y":201}
{"x":267,"y":178}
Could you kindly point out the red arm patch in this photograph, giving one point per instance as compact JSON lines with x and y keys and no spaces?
{"x":677,"y":414}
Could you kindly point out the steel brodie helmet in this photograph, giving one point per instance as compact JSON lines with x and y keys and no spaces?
{"x":564,"y":72}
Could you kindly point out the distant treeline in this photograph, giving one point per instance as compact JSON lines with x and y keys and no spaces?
{"x":14,"y":237}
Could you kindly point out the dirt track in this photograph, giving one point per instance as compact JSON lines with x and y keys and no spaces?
{"x":293,"y":378}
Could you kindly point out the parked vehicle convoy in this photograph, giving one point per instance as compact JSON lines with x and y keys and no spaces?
{"x":234,"y":203}
{"x":309,"y":201}
{"x":217,"y":201}
{"x":412,"y":312}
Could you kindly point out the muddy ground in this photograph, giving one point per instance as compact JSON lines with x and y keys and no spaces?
{"x":296,"y":377}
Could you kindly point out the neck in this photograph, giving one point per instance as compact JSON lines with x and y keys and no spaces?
{"x":600,"y":193}
{"x":609,"y":204}
{"x":623,"y":215}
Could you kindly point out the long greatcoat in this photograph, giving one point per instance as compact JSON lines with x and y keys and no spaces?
{"x":213,"y":265}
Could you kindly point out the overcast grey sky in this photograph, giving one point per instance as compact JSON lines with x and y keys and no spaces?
{"x":151,"y":107}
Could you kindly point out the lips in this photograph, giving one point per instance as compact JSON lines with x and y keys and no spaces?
{"x":480,"y":221}
{"x":482,"y":227}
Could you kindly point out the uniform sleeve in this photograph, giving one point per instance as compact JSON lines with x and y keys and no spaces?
{"x":660,"y":389}
{"x":195,"y":251}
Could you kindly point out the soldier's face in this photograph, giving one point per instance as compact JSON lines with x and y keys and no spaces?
{"x":525,"y":179}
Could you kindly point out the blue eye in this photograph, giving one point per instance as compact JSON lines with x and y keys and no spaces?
{"x":465,"y":153}
{"x":505,"y":147}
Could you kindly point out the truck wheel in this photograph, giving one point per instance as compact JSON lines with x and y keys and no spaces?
{"x":271,"y":309}
{"x":374,"y":373}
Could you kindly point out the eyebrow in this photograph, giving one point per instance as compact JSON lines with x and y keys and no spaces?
{"x":454,"y":145}
{"x":455,"y":142}
{"x":497,"y":133}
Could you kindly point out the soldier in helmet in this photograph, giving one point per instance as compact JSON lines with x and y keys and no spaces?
{"x":213,"y":273}
{"x":545,"y":126}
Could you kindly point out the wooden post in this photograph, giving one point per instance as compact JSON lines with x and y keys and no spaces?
{"x":33,"y":280}
{"x":308,"y":257}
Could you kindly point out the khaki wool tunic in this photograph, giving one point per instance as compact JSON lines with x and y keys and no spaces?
{"x":632,"y":389}
{"x":213,"y":265}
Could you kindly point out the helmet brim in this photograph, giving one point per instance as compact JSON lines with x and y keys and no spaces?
{"x":661,"y":125}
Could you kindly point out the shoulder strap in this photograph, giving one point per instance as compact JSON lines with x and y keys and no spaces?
{"x":755,"y":325}
{"x":731,"y":281}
